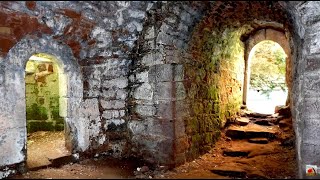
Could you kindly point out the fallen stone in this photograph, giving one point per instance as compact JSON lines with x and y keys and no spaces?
{"x":242,"y":121}
{"x":57,"y":162}
{"x":283,"y":111}
{"x":258,"y":140}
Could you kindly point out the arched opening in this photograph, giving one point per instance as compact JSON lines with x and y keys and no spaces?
{"x":45,"y":110}
{"x":267,"y":85}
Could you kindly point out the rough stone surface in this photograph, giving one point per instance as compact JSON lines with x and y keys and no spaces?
{"x":124,"y":61}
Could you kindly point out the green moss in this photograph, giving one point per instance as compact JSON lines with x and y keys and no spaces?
{"x":36,"y":112}
{"x":213,"y":85}
{"x":55,"y":114}
{"x":33,"y":126}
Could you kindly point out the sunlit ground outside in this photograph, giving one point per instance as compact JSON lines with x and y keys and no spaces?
{"x":260,"y":103}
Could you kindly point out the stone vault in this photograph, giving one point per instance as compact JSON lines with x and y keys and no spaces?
{"x":156,"y":80}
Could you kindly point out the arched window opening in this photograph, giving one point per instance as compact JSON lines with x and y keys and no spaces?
{"x":267,"y":85}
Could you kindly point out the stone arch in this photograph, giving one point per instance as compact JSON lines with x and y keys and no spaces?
{"x":162,"y":69}
{"x":13,"y":107}
{"x":276,"y":35}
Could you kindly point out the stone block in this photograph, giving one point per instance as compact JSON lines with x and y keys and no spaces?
{"x":142,"y":77}
{"x":145,"y":110}
{"x":134,"y":26}
{"x":161,"y":72}
{"x":136,"y":13}
{"x":150,"y":59}
{"x":180,"y":91}
{"x":111,"y":114}
{"x":12,"y":144}
{"x":311,"y":85}
{"x":144,"y":92}
{"x":307,"y":11}
{"x":73,"y":107}
{"x":309,"y":153}
{"x":104,"y":38}
{"x":112,"y":104}
{"x":164,"y":110}
{"x":311,"y":131}
{"x":89,"y":108}
{"x":137,"y":127}
{"x":164,"y":38}
{"x":117,"y":83}
{"x":182,"y":27}
{"x":313,"y":44}
{"x":182,"y":109}
{"x":186,"y":17}
{"x":150,"y":34}
{"x":121,"y":94}
{"x":122,"y":113}
{"x":180,"y":129}
{"x":163,"y":91}
{"x":312,"y":63}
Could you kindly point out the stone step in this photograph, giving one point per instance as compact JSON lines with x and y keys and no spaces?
{"x":231,"y":172}
{"x":246,"y":149}
{"x":237,"y":170}
{"x":258,"y":115}
{"x":251,"y":131}
{"x":263,"y":122}
{"x":235,"y":153}
{"x":258,"y":140}
{"x":242,"y":121}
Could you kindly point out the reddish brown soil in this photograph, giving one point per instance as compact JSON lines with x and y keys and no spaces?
{"x":274,"y":161}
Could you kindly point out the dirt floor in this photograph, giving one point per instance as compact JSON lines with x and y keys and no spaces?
{"x":251,"y":147}
{"x":43,"y":146}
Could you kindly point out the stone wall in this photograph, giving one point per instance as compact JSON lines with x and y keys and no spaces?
{"x":151,"y":79}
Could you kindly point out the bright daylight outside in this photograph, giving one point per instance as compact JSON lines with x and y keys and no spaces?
{"x":267,"y":87}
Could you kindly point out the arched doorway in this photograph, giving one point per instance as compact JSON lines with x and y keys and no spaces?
{"x":45,"y":111}
{"x":273,"y":35}
{"x":14,"y":99}
{"x":267,"y":70}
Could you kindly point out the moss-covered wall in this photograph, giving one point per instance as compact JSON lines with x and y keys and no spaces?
{"x":42,"y":97}
{"x":214,"y":81}
{"x":215,"y":66}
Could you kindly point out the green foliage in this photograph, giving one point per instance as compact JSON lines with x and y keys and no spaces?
{"x":268,"y":68}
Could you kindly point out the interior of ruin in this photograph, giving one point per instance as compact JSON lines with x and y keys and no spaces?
{"x":161,"y":89}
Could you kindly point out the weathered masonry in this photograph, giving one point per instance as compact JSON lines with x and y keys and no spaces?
{"x":156,"y":80}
